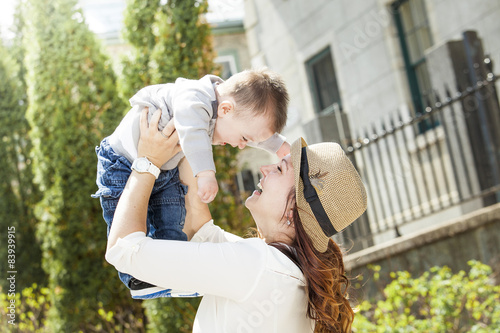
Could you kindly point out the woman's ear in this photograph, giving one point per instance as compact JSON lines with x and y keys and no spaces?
{"x":225,"y":107}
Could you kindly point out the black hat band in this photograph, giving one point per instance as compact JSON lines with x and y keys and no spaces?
{"x":312,"y":198}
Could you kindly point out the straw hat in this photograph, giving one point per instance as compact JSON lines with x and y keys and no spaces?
{"x":329,"y":190}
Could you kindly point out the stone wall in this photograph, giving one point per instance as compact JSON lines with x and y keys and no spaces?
{"x":365,"y":48}
{"x":472,"y":236}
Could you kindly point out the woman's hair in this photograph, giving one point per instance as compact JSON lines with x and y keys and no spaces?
{"x":326,"y":282}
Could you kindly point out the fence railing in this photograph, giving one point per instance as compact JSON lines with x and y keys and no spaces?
{"x":428,"y":167}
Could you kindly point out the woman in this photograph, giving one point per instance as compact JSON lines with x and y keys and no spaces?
{"x":291,"y":279}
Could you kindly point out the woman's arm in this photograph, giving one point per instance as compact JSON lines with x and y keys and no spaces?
{"x":131,"y":212}
{"x":228,"y":269}
{"x":197,"y":212}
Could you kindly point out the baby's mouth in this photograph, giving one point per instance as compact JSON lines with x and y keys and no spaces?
{"x":259,"y":187}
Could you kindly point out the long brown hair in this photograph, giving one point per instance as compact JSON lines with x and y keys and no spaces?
{"x":326,"y":282}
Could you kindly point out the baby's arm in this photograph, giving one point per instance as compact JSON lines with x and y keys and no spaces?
{"x":207,"y":186}
{"x":276,"y":144}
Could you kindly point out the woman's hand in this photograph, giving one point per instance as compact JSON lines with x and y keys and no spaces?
{"x":157,"y":146}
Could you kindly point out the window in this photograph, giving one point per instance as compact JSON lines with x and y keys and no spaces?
{"x":227,"y":64}
{"x":415,"y":37}
{"x":246,"y":181}
{"x":323,"y":82}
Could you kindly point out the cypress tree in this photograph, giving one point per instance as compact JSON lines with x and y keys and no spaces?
{"x":17,"y":191}
{"x":138,"y":20}
{"x":183,"y":45}
{"x":73,"y":103}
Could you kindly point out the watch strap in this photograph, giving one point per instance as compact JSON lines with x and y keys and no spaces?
{"x":151,"y":168}
{"x":154,"y":170}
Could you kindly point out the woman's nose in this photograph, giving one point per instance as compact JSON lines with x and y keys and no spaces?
{"x":265,"y":169}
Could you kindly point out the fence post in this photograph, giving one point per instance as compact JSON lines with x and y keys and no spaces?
{"x":474,"y":56}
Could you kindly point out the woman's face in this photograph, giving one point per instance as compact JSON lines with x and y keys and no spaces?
{"x":268,"y":205}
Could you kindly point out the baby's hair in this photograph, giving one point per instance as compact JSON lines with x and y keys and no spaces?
{"x":260,"y":91}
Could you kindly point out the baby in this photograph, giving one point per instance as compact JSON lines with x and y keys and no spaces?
{"x":250,"y":108}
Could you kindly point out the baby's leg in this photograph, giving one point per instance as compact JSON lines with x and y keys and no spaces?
{"x":197,"y":212}
{"x":113,"y":172}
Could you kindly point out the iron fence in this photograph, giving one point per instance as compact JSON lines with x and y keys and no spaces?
{"x":431,"y":166}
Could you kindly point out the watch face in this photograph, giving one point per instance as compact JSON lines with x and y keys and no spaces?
{"x":142,"y":165}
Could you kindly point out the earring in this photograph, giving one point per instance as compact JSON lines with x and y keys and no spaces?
{"x":288,"y":222}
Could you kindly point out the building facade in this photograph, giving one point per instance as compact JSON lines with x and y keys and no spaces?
{"x":373,"y":75}
{"x":355,"y":49}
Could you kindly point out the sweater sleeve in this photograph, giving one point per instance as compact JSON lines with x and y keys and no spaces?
{"x":227,"y":269}
{"x":192,"y":105}
{"x":154,"y":97}
{"x":272,"y":145}
{"x":149,"y":96}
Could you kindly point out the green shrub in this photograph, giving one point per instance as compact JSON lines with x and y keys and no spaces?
{"x":438,"y":301}
{"x":26,"y":311}
{"x":29,"y":309}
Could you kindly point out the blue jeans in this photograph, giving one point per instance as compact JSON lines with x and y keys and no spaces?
{"x":166,"y":208}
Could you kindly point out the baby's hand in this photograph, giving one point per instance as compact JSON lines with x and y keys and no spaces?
{"x":207,"y":186}
{"x":284,"y":150}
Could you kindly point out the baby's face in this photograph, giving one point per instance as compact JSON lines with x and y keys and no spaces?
{"x":238,"y":131}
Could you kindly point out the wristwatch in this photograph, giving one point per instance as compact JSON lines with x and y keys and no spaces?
{"x":142,"y":165}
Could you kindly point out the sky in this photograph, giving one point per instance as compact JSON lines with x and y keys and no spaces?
{"x":101,"y":14}
{"x":6,"y":14}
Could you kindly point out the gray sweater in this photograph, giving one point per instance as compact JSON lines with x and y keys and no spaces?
{"x":193,"y":104}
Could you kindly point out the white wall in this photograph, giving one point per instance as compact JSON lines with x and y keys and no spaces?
{"x":283,"y":34}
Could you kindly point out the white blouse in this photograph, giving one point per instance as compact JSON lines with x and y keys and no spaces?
{"x":248,"y":286}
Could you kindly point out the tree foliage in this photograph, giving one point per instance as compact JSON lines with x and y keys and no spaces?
{"x":73,"y":103}
{"x":169,"y":39}
{"x":138,"y":20}
{"x":183,"y":45}
{"x":17,"y":191}
{"x":438,"y":301}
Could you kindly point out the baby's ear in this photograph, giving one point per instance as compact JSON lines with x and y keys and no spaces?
{"x":225,"y":107}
